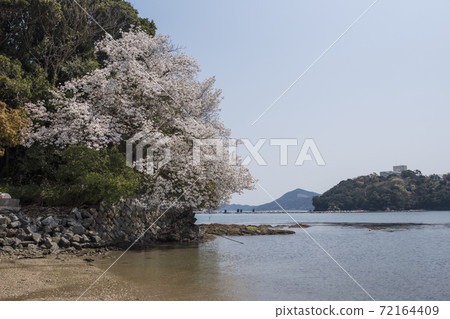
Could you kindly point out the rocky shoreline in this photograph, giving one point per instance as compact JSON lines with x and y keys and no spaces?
{"x":37,"y":231}
{"x":242,"y":230}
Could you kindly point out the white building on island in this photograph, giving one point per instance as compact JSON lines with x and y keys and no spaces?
{"x":397,"y":170}
{"x":400,"y":168}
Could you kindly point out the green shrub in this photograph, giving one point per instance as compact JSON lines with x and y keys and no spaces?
{"x":27,"y":194}
{"x":89,"y":176}
{"x":83,"y":176}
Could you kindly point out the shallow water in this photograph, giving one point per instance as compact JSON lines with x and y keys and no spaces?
{"x":408,"y":260}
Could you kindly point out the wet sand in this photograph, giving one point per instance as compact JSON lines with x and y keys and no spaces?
{"x":63,"y":277}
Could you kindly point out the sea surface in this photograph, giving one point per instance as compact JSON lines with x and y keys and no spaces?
{"x":409,"y":259}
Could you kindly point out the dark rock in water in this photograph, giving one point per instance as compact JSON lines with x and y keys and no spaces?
{"x":242,"y":230}
{"x":299,"y":226}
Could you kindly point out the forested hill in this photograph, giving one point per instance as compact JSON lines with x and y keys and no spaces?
{"x":410,"y":190}
{"x":298,"y":199}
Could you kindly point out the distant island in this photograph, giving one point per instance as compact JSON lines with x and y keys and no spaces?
{"x":393,"y":190}
{"x":298,"y":199}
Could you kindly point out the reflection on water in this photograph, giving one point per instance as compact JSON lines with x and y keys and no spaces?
{"x":408,"y":260}
{"x":176,"y":272}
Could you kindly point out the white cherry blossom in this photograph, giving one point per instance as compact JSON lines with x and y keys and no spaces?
{"x":146,"y":86}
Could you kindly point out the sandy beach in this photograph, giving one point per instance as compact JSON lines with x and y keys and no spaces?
{"x":63,"y":277}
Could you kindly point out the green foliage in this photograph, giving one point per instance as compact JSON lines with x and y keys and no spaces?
{"x":15,"y":86}
{"x":18,"y":86}
{"x":27,"y":193}
{"x":410,"y":190}
{"x":78,"y":66}
{"x":58,"y":36}
{"x":87,"y":176}
{"x":84,"y":176}
{"x":44,"y":43}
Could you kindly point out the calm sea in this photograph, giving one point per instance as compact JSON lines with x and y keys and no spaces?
{"x":408,"y":260}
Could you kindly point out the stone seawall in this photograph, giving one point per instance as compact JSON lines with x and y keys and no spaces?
{"x":120,"y":225}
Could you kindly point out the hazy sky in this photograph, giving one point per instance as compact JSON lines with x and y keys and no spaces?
{"x":379,"y":97}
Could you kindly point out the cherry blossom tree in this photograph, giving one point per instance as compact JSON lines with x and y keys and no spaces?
{"x":147,"y":90}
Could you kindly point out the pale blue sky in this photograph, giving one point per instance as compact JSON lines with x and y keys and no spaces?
{"x":379,"y":97}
